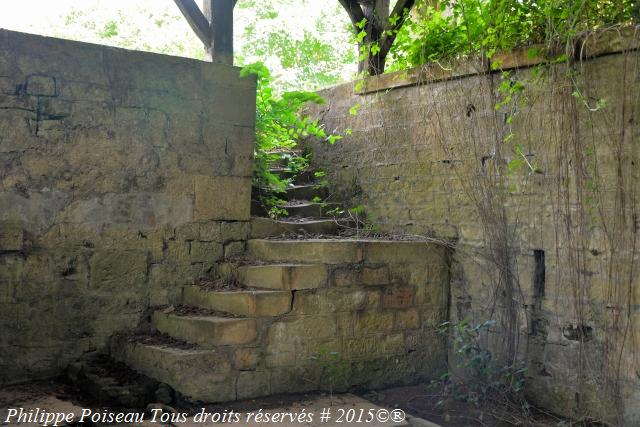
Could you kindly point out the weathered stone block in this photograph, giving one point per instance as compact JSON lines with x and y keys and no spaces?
{"x":329,"y":301}
{"x":346,"y":276}
{"x":233,"y":249}
{"x":12,"y":237}
{"x":11,"y":266}
{"x":374,"y":346}
{"x":206,"y":331}
{"x":398,"y":297}
{"x":245,"y":359}
{"x":280,"y":354}
{"x":190,"y":231}
{"x":121,"y":268}
{"x":375,"y":276}
{"x":235,"y":230}
{"x":244,"y":303}
{"x":253,"y":384}
{"x":207,"y":252}
{"x":200,"y":374}
{"x":210,"y":232}
{"x":308,"y":350}
{"x":177,"y":252}
{"x":7,"y":86}
{"x":297,"y":328}
{"x":222,"y":197}
{"x":407,"y":319}
{"x":284,"y":276}
{"x":307,"y":251}
{"x":41,"y":85}
{"x":373,"y":321}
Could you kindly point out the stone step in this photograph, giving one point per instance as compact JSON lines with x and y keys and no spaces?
{"x":306,"y":192}
{"x":310,"y":251}
{"x":252,"y":303}
{"x":201,"y":374}
{"x":307,"y":209}
{"x":284,"y":276}
{"x":267,"y":227}
{"x":302,"y":178}
{"x":206,"y":331}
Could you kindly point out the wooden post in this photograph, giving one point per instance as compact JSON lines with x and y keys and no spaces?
{"x":214,"y":27}
{"x":220,"y":14}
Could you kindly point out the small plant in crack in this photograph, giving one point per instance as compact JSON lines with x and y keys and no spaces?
{"x":329,"y":369}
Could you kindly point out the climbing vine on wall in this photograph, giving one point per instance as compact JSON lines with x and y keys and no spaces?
{"x":443,"y":30}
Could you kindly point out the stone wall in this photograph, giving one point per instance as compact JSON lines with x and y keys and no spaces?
{"x":123,"y":174}
{"x":540,"y":194}
{"x":371,"y":322}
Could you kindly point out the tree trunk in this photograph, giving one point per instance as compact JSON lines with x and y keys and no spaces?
{"x":377,"y":15}
{"x":380,"y":32}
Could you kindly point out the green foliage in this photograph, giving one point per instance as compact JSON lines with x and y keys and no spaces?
{"x":162,"y":29}
{"x":485,"y":375}
{"x":280,"y":124}
{"x":332,"y":370}
{"x":458,"y":28}
{"x":310,"y":54}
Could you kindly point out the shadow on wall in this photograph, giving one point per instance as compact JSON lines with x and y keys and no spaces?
{"x":533,"y":169}
{"x":122,"y":173}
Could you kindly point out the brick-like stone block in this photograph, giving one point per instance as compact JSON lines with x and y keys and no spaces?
{"x":233,"y":249}
{"x":177,"y":252}
{"x":307,"y":350}
{"x":245,"y":358}
{"x":375,"y":275}
{"x":374,"y":346}
{"x":119,"y":268}
{"x":238,"y":230}
{"x":280,"y":354}
{"x":210,"y":232}
{"x":190,"y":231}
{"x":296,"y":328}
{"x":12,"y":237}
{"x":207,"y":252}
{"x":41,"y":85}
{"x":373,"y":321}
{"x":7,"y":86}
{"x":345,"y":276}
{"x":253,"y":384}
{"x":332,"y":300}
{"x":407,"y":319}
{"x":222,"y":197}
{"x":399,"y":297}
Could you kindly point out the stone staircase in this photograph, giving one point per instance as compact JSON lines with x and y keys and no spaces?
{"x":296,"y":314}
{"x":304,"y":198}
{"x":292,"y":302}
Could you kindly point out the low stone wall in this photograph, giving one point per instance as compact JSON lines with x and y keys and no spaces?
{"x":540,"y":192}
{"x":330,"y":314}
{"x":122,"y":175}
{"x":373,"y":323}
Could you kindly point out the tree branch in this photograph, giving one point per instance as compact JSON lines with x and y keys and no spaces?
{"x":196,"y":20}
{"x":355,"y":12}
{"x":400,"y":10}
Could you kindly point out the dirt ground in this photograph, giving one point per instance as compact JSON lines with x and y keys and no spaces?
{"x":418,"y":401}
{"x":427,"y":403}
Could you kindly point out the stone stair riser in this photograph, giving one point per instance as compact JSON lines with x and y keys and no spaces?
{"x":306,"y":192}
{"x":202,"y":375}
{"x":206,"y":331}
{"x":243,"y":303}
{"x":285,"y":277}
